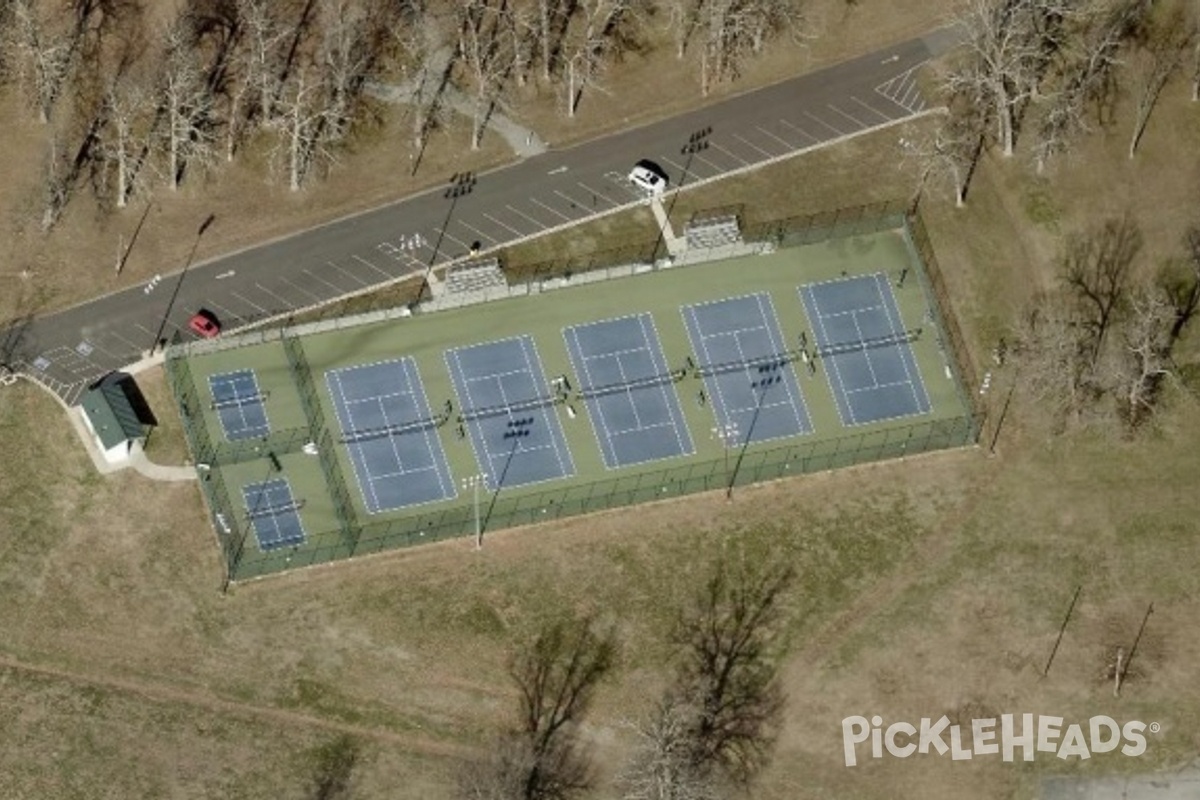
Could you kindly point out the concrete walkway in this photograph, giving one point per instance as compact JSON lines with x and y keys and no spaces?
{"x":137,"y":460}
{"x":675,"y":244}
{"x":522,"y":140}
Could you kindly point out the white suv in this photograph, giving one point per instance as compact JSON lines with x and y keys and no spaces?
{"x":648,"y":177}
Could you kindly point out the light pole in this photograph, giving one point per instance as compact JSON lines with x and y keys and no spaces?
{"x":158,"y":337}
{"x":473,"y":483}
{"x":728,"y":434}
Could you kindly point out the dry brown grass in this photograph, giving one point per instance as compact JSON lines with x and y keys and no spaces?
{"x":929,"y":586}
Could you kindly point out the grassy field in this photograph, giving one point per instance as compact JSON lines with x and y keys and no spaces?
{"x":929,"y":586}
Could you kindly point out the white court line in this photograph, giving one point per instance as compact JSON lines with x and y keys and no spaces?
{"x":779,"y":345}
{"x":344,"y":271}
{"x":370,"y":264}
{"x":800,"y":131}
{"x":670,"y":399}
{"x":897,"y":325}
{"x":689,"y":313}
{"x":866,"y":353}
{"x":816,"y":318}
{"x":872,"y":109}
{"x":554,"y":211}
{"x":848,"y":116}
{"x":880,"y":386}
{"x":610,"y":453}
{"x":551,"y":420}
{"x":334,"y":376}
{"x":501,"y":224}
{"x":753,"y":146}
{"x":823,"y":122}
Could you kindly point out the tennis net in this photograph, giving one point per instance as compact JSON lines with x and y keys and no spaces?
{"x":382,"y":432}
{"x":533,"y":404}
{"x":761,"y":363}
{"x":664,"y":379}
{"x":242,"y":400}
{"x":890,"y":340}
{"x":272,"y":511}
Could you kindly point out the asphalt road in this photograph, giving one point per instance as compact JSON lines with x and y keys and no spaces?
{"x":69,"y":349}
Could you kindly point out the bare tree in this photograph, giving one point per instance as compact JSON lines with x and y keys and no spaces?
{"x":1008,"y":47}
{"x":186,"y":102}
{"x":736,"y":29}
{"x":486,"y":53}
{"x":299,"y":118}
{"x":662,"y":766}
{"x":1053,"y":354}
{"x":257,"y":64}
{"x":126,"y":137}
{"x":42,"y":53}
{"x":951,"y":152}
{"x":599,"y":34}
{"x":730,"y":642}
{"x":1096,"y":269}
{"x":1145,"y":355}
{"x":556,"y":673}
{"x":348,"y":50}
{"x":1163,"y":51}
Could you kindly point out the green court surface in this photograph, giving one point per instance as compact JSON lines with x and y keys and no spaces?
{"x":336,"y":523}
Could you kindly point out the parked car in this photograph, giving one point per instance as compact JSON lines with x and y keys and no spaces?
{"x":205,"y":324}
{"x":649,"y":177}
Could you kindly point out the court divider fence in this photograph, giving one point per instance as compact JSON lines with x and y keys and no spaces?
{"x":356,"y":537}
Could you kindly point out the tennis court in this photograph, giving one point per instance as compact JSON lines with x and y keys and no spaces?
{"x":509,"y":412}
{"x":865,"y":349}
{"x":627,"y":388}
{"x":746,"y":366}
{"x":273,"y":513}
{"x":239,"y":404}
{"x":390,"y":434}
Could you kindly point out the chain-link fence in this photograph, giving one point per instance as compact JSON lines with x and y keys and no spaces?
{"x":505,"y":509}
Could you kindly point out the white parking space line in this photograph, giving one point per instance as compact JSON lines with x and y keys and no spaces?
{"x":912,"y":93}
{"x":353,"y":277}
{"x":799,"y":130}
{"x":319,"y":279}
{"x":853,"y":119}
{"x":872,"y":109}
{"x":362,"y":260}
{"x":732,"y":157}
{"x":227,"y":316}
{"x":301,"y":289}
{"x":716,"y":168}
{"x":519,"y":213}
{"x":144,"y":329}
{"x":600,"y":195}
{"x":287,"y":303}
{"x":752,"y":146}
{"x":581,"y":205}
{"x":477,"y":232}
{"x":819,"y":121}
{"x":790,"y":147}
{"x":249,"y":302}
{"x":456,"y":240}
{"x":552,"y":210}
{"x":509,"y":228}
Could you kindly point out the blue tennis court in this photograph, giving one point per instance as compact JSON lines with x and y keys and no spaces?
{"x":748,"y":377}
{"x":273,"y":513}
{"x":239,"y":404}
{"x":508,"y":409}
{"x":865,"y":349}
{"x":628,"y":390}
{"x":391,"y":434}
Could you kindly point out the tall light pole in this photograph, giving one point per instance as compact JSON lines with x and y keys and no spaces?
{"x":158,"y":338}
{"x":728,"y":434}
{"x":473,"y":482}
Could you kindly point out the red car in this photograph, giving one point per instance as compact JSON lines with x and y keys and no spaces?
{"x":204,"y":323}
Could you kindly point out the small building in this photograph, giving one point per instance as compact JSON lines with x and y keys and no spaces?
{"x":110,"y":411}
